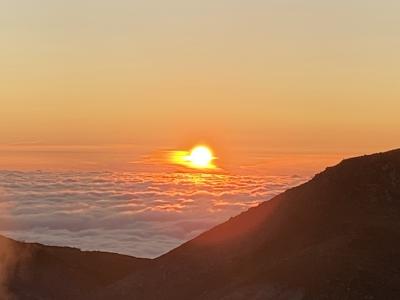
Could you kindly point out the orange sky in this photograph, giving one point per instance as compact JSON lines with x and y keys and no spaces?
{"x":247,"y":77}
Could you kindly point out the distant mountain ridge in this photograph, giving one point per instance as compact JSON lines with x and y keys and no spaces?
{"x":334,"y":237}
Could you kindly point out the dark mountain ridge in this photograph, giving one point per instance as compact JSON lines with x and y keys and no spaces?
{"x":334,"y":237}
{"x":34,"y":271}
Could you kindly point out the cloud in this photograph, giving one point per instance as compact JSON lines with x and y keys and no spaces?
{"x":139,"y":214}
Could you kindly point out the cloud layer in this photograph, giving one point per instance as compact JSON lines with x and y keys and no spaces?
{"x":139,"y":214}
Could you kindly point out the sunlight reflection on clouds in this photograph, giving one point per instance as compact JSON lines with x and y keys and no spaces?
{"x":140,"y":214}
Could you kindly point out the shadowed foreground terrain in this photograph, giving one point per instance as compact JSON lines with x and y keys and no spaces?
{"x":34,"y":271}
{"x":334,"y":237}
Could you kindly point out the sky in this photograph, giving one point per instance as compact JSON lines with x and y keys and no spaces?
{"x":248,"y":77}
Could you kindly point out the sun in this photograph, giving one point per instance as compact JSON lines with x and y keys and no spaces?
{"x":200,"y":157}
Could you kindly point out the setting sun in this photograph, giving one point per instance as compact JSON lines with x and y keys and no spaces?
{"x":200,"y":157}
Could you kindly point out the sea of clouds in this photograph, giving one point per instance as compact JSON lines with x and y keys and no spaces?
{"x":139,"y":214}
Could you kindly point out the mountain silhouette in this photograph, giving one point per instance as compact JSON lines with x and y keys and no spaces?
{"x":335,"y":237}
{"x":34,"y":272}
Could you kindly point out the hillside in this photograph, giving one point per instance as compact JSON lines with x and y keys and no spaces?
{"x":34,"y":271}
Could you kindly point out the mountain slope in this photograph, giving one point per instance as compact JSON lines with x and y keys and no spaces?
{"x":33,"y":271}
{"x":335,"y":237}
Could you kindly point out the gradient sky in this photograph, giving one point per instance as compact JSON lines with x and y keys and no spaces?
{"x":281,"y":75}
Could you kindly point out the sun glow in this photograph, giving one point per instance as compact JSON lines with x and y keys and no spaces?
{"x":200,"y":157}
